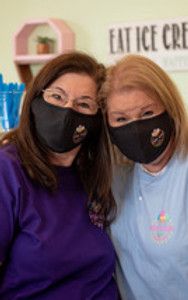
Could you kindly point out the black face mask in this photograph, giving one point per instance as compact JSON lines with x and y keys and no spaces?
{"x":143,"y":140}
{"x":63,"y":129}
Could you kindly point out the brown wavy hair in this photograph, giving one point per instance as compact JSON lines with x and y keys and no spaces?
{"x":93,"y":160}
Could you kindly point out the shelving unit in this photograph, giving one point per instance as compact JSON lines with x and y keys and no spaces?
{"x":65,"y":39}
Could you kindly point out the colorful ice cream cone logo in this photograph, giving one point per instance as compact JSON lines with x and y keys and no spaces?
{"x":162,"y":229}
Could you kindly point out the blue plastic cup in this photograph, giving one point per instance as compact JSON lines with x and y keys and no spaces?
{"x":9,"y":109}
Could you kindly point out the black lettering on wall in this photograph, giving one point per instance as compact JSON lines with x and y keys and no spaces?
{"x":138,"y":38}
{"x":185,"y":35}
{"x":127,"y":32}
{"x":176,"y":36}
{"x":120,"y":48}
{"x":165,"y":34}
{"x":153,"y":37}
{"x":145,"y":30}
{"x":111,"y":38}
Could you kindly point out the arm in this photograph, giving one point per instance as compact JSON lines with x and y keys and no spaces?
{"x":9,"y":206}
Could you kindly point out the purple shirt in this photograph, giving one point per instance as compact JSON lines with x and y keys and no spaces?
{"x":49,"y":249}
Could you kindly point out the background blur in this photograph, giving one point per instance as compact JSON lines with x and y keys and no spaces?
{"x":89,"y":20}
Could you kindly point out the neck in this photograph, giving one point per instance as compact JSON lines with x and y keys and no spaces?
{"x":158,"y":164}
{"x":64,"y":159}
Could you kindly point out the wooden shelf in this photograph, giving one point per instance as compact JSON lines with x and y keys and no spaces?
{"x":65,"y":39}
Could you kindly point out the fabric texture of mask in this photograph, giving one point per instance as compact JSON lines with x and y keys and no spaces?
{"x":63,"y":129}
{"x":143,"y":140}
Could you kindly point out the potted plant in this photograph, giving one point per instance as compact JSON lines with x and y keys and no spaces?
{"x":43,"y":44}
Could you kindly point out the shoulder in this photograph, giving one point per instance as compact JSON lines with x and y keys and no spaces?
{"x":178,"y":162}
{"x":9,"y":154}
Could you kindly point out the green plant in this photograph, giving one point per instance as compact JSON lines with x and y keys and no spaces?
{"x":44,"y":39}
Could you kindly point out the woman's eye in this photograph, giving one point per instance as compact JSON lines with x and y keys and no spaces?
{"x":147,"y":113}
{"x":56,"y":96}
{"x":121,"y":119}
{"x":84,"y":105}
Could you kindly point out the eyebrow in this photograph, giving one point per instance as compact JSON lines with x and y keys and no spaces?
{"x":65,"y":93}
{"x":118,"y":112}
{"x":86,"y":97}
{"x":60,"y":89}
{"x":148,"y":106}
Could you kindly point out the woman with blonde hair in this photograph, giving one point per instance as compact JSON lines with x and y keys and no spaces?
{"x":148,"y":123}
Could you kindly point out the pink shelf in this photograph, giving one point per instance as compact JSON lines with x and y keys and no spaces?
{"x":65,"y":40}
{"x":34,"y":59}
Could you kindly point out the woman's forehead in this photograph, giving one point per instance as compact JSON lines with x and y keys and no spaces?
{"x":131,"y":100}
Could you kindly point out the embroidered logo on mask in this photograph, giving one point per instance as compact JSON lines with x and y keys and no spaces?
{"x":157,"y":137}
{"x":162,"y":229}
{"x":79,"y":134}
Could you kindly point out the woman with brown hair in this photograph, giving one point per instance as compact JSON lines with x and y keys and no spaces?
{"x":55,"y":194}
{"x":148,"y":123}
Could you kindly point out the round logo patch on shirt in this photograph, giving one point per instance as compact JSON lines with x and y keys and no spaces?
{"x":162,"y":228}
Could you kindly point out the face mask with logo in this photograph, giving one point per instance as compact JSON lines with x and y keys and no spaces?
{"x":63,"y":129}
{"x":143,"y":140}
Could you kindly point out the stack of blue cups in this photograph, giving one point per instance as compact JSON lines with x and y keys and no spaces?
{"x":10,"y":100}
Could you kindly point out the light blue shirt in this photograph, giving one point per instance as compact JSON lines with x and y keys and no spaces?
{"x":150,"y":233}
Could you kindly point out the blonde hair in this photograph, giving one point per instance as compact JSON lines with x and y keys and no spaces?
{"x":139,"y":72}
